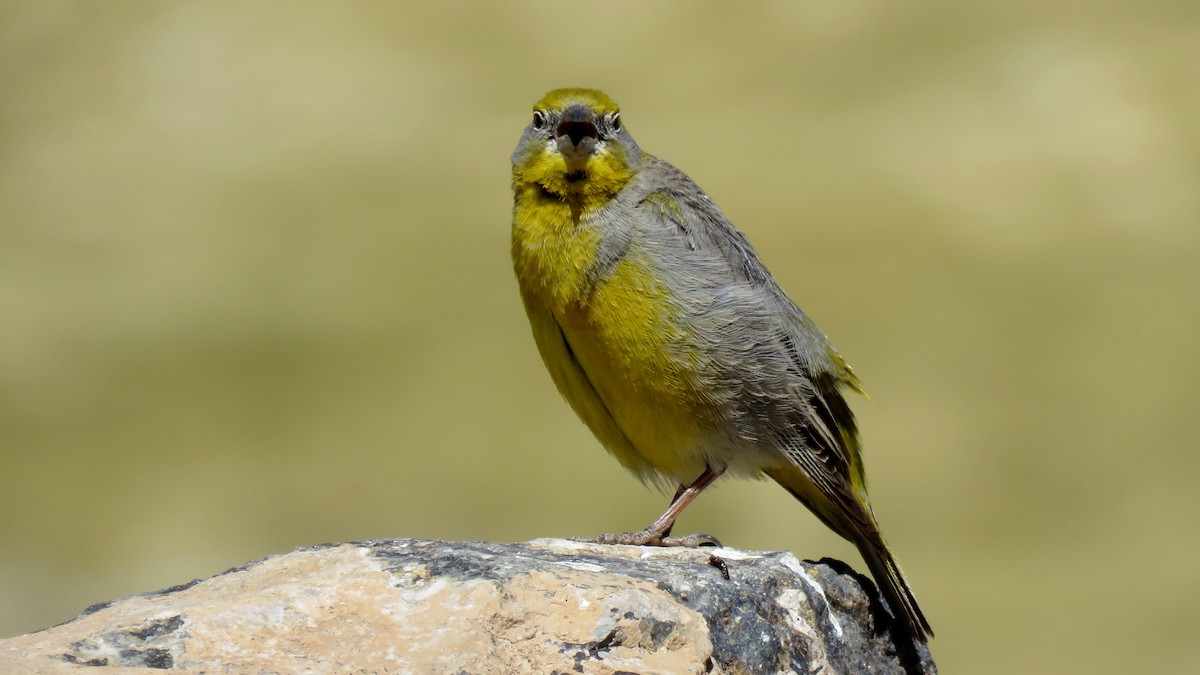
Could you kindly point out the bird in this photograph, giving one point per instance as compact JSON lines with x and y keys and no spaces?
{"x":666,"y":334}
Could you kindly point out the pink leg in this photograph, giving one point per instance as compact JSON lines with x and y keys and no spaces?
{"x":656,"y":533}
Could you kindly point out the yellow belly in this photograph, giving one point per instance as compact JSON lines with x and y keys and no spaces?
{"x":631,"y":349}
{"x":622,"y":366}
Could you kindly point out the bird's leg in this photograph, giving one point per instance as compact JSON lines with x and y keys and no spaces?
{"x":656,"y":533}
{"x":662,"y":526}
{"x":678,"y":491}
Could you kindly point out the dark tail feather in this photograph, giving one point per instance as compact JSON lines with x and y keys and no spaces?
{"x":851,"y":517}
{"x":895,"y":589}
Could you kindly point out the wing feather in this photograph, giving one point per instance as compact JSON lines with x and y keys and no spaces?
{"x":776,"y":373}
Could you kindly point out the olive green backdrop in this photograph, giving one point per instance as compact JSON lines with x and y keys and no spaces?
{"x":255,"y":290}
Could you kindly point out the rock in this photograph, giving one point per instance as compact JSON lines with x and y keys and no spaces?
{"x":402,"y":605}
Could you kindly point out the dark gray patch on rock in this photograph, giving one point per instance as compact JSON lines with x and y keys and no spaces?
{"x":154,"y":644}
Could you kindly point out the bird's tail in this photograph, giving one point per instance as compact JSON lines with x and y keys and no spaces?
{"x":894,"y":587}
{"x":851,"y":517}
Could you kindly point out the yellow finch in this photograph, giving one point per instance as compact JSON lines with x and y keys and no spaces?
{"x":671,"y":340}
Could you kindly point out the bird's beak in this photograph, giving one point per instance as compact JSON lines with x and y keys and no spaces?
{"x":577,"y":133}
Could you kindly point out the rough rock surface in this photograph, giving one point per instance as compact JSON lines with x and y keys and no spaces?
{"x":547,"y":606}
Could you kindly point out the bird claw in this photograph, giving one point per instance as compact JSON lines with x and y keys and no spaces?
{"x":697,"y":540}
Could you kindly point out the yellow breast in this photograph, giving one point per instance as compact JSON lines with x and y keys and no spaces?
{"x":624,"y":333}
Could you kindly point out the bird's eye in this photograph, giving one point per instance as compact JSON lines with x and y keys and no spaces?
{"x":615,"y":123}
{"x":539,"y":120}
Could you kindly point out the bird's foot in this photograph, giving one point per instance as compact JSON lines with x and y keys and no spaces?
{"x":652,"y":538}
{"x":696,"y":540}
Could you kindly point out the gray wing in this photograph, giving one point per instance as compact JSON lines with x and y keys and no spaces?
{"x":775,"y":373}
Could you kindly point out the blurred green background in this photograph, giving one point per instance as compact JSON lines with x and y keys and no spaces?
{"x":255,"y":290}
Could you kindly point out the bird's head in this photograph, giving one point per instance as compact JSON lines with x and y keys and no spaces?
{"x":575,"y":148}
